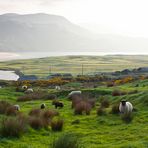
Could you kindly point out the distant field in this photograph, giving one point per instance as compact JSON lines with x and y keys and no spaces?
{"x":73,"y":64}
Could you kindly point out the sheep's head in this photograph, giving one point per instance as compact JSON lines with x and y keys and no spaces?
{"x":123,"y":102}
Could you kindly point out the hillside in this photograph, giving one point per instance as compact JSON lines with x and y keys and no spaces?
{"x":44,"y":32}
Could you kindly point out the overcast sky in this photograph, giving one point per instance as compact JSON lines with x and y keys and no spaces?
{"x":127,"y":17}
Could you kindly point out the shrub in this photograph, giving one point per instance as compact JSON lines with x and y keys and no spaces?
{"x":115,"y":109}
{"x":66,"y":140}
{"x":92,"y":102}
{"x":35,"y":112}
{"x":127,"y":118}
{"x":38,"y":95}
{"x":82,"y":107}
{"x":3,"y":106}
{"x":118,"y":93}
{"x":110,"y":84}
{"x":11,"y":111}
{"x":47,"y":115}
{"x":133,"y":92}
{"x":100,"y":111}
{"x":75,"y":101}
{"x":50,"y":97}
{"x":13,"y":127}
{"x":105,"y":103}
{"x":57,"y":124}
{"x":36,"y":122}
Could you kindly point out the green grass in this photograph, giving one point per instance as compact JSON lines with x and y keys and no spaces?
{"x":107,"y":131}
{"x":73,"y":64}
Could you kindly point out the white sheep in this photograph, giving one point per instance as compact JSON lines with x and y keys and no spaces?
{"x":17,"y":107}
{"x":74,"y":93}
{"x":29,"y":90}
{"x":125,"y":107}
{"x":57,"y":87}
{"x":42,"y":106}
{"x":24,"y":87}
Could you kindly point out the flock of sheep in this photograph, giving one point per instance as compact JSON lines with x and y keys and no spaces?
{"x":125,"y":107}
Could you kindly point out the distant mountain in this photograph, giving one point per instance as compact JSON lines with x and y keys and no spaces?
{"x":43,"y":32}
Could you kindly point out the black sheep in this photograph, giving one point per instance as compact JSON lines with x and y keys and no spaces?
{"x":58,"y":104}
{"x":43,"y":106}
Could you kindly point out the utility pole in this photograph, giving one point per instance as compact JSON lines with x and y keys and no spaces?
{"x":82,"y":69}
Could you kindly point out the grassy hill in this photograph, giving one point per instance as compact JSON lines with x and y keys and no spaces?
{"x":106,"y":131}
{"x":73,"y":64}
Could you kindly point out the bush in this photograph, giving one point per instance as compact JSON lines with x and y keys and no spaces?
{"x":40,"y":95}
{"x":50,"y":97}
{"x":133,"y":92}
{"x":118,"y":93}
{"x":11,"y":111}
{"x":115,"y":109}
{"x":82,"y":107}
{"x":127,"y":118}
{"x":13,"y":127}
{"x":36,"y":122}
{"x":92,"y":102}
{"x":66,"y":140}
{"x":105,"y":103}
{"x":57,"y":124}
{"x":3,"y":106}
{"x":47,"y":115}
{"x":35,"y":112}
{"x":75,"y":101}
{"x":100,"y":111}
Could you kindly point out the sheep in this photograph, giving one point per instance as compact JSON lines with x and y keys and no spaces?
{"x":74,"y":93}
{"x":29,"y":90}
{"x":24,"y":87}
{"x":57,"y":104}
{"x":17,"y":107}
{"x":57,"y":88}
{"x":43,"y":106}
{"x":125,"y":107}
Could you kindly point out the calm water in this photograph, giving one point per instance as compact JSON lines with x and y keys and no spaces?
{"x":8,"y":75}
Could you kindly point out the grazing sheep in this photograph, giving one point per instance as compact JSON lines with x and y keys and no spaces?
{"x":125,"y":107}
{"x":57,"y":104}
{"x":43,"y":105}
{"x":74,"y":93}
{"x":17,"y":107}
{"x":0,"y":86}
{"x":29,"y":90}
{"x":57,"y":87}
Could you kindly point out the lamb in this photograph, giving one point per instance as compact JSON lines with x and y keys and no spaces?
{"x":57,"y":104}
{"x":74,"y":93}
{"x":125,"y":107}
{"x":43,"y":106}
{"x":17,"y":107}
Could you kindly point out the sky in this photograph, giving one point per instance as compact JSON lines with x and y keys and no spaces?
{"x":126,"y":17}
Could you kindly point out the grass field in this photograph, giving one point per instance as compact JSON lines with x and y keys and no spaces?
{"x":107,"y":131}
{"x":73,"y":64}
